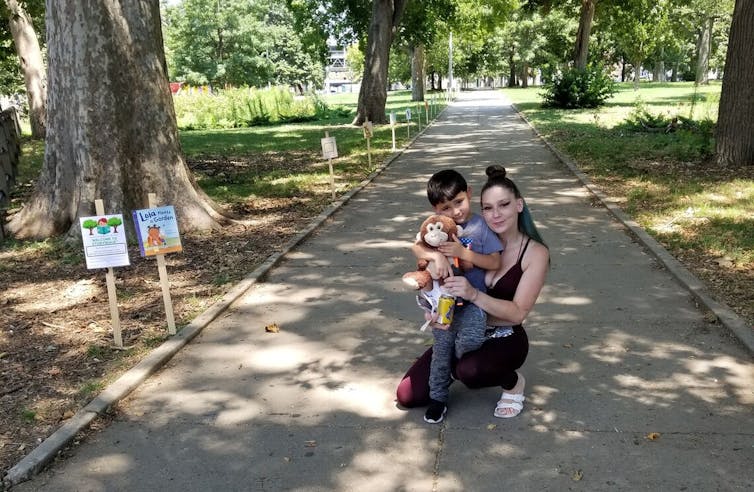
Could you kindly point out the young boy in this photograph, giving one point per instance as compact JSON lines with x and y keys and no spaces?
{"x":450,"y":196}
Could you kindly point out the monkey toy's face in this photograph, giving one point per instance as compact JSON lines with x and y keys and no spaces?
{"x":438,"y":229}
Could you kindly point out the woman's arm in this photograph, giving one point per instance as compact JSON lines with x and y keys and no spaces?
{"x":534,"y":265}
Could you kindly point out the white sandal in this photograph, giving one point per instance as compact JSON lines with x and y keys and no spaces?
{"x":512,"y":401}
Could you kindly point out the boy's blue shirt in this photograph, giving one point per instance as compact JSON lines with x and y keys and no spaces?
{"x":483,"y":241}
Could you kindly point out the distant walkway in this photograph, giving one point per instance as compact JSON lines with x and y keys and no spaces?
{"x":628,"y":387}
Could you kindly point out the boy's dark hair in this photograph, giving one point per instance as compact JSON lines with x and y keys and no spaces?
{"x":444,"y":185}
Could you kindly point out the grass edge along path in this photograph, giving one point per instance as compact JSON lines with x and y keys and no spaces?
{"x":725,"y":261}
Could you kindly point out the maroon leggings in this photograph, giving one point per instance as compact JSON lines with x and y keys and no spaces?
{"x":493,"y":364}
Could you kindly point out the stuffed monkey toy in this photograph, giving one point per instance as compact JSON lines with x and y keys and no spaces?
{"x":435,"y":230}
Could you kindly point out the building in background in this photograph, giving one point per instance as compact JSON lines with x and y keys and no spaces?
{"x":338,"y":77}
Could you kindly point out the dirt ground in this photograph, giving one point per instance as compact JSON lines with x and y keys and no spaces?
{"x":56,"y":348}
{"x":56,"y":345}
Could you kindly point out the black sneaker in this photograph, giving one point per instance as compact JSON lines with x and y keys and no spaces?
{"x":435,"y":412}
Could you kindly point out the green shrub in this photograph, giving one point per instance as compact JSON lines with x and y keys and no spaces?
{"x":244,"y":107}
{"x":575,"y":88}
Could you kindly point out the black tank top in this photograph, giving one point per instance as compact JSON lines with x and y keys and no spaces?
{"x":505,"y":287}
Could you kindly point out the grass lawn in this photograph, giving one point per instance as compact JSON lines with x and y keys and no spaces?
{"x":668,"y":182}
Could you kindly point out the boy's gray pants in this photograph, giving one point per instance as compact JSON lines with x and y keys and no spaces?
{"x":465,"y":333}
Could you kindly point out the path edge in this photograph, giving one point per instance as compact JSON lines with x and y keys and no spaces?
{"x":727,"y":317}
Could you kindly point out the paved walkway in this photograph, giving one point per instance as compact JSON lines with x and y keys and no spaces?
{"x":618,"y":352}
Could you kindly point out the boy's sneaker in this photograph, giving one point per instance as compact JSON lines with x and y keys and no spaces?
{"x":435,"y":412}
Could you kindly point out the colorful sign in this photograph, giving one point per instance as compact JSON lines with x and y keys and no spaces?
{"x":368,"y":129}
{"x":104,"y":241}
{"x":157,"y":231}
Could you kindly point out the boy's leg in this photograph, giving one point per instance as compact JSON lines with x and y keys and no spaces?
{"x":470,"y":323}
{"x":439,"y":368}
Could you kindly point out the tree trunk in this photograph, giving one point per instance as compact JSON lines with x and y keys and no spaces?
{"x":703,"y":47}
{"x":417,"y":72}
{"x":581,"y":52}
{"x":735,"y":126}
{"x":637,"y":74}
{"x":32,"y":66}
{"x":512,"y":74}
{"x":386,"y":15}
{"x":525,"y":76}
{"x":111,"y":128}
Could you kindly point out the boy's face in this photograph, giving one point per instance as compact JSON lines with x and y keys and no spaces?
{"x":458,"y":209}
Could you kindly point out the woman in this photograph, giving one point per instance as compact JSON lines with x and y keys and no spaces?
{"x":511,"y":293}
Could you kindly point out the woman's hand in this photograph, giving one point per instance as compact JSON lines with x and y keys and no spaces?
{"x":460,"y":287}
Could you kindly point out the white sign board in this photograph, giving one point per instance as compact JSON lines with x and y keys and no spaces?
{"x":104,"y":240}
{"x":392,"y":118}
{"x":329,"y":148}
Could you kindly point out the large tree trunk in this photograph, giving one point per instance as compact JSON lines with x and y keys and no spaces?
{"x":735,"y":125}
{"x":581,"y":52}
{"x":703,"y":47}
{"x":512,"y":67}
{"x":111,"y":130}
{"x":417,"y":72}
{"x":32,"y":65}
{"x":386,"y":15}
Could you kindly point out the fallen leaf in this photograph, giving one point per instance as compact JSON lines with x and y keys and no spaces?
{"x":491,"y":427}
{"x":54,"y":371}
{"x":310,"y":444}
{"x":68,"y":414}
{"x":653,"y":436}
{"x":567,"y":345}
{"x":273,"y":328}
{"x":577,"y":475}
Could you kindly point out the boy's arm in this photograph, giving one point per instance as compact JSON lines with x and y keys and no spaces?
{"x":490,"y":261}
{"x":424,"y":252}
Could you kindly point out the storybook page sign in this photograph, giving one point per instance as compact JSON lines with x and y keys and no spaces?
{"x":157,"y":231}
{"x":104,"y":241}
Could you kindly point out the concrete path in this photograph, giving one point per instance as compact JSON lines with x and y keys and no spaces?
{"x":619,"y":351}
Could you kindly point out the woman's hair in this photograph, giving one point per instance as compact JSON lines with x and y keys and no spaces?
{"x":496,"y":176}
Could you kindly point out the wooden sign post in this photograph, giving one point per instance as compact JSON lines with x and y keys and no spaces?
{"x":99,"y":209}
{"x":392,"y":127}
{"x":368,"y":131}
{"x":329,"y":152}
{"x":164,"y":282}
{"x":408,"y":123}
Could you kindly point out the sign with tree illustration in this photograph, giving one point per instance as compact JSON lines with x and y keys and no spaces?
{"x":104,"y":241}
{"x":157,"y":231}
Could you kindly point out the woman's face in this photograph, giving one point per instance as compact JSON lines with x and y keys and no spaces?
{"x":500,"y":209}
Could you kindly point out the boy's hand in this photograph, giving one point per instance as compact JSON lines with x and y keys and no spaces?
{"x":440,"y":267}
{"x":432,"y":318}
{"x":452,"y":248}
